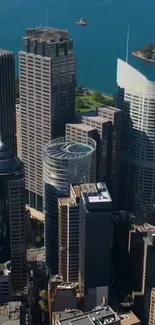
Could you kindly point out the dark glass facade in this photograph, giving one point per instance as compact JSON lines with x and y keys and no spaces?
{"x":5,"y":253}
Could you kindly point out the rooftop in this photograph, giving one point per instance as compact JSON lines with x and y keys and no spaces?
{"x":35,"y":214}
{"x":99,"y":316}
{"x":66,"y":200}
{"x":60,"y":149}
{"x":68,"y":313}
{"x":9,"y":163}
{"x":77,"y":190}
{"x":2,"y":52}
{"x":129,"y":319}
{"x":143,"y":228}
{"x":10,"y":313}
{"x":109,"y":108}
{"x":67,"y":285}
{"x":47,"y":34}
{"x":83,"y":127}
{"x":97,"y":119}
{"x":96,"y":193}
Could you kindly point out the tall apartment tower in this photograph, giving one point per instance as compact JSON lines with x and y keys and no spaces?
{"x":7,"y":99}
{"x":12,"y":212}
{"x":64,"y":163}
{"x":114,"y":115}
{"x":47,"y":99}
{"x":136,"y":98}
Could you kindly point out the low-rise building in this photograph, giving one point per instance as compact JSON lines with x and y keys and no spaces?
{"x":100,"y":315}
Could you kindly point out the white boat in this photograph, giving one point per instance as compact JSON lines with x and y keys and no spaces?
{"x":81,"y":22}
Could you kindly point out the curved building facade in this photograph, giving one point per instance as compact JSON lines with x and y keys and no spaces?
{"x":136,"y":98}
{"x":64,"y":163}
{"x":12,"y":216}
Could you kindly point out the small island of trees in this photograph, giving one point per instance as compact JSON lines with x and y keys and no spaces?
{"x":146,"y":53}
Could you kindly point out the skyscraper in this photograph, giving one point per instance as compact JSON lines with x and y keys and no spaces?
{"x":64,"y":163}
{"x":68,"y":235}
{"x":7,"y":99}
{"x":136,"y":98}
{"x":18,"y":131}
{"x":47,"y":99}
{"x":105,"y":129}
{"x":12,"y":216}
{"x":114,"y":115}
{"x":95,"y":242}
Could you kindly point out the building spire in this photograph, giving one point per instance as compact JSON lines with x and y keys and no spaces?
{"x":46,"y":17}
{"x":127,"y":44}
{"x":0,"y":139}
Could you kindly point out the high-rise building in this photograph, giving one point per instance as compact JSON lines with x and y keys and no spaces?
{"x":12,"y":216}
{"x":68,"y":235}
{"x":152,"y":308}
{"x":7,"y":99}
{"x":105,"y":129}
{"x":142,"y":256}
{"x":77,"y":224}
{"x":97,"y":128}
{"x":47,"y":99}
{"x":18,"y":131}
{"x":64,"y":163}
{"x":114,"y":115}
{"x":136,"y":98}
{"x":95,"y":242}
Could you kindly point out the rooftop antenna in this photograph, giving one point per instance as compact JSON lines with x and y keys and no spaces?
{"x":127,"y":44}
{"x":46,"y":17}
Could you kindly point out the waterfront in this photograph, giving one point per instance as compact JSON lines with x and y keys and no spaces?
{"x":139,"y":55}
{"x":98,"y":45}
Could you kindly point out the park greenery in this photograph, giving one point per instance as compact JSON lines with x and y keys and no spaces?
{"x":85,"y":100}
{"x":89,"y":101}
{"x":148,"y":51}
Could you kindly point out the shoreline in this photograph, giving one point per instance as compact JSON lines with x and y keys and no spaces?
{"x":139,"y":55}
{"x":94,"y":91}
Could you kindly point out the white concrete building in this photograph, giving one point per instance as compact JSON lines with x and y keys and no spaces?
{"x":136,"y":98}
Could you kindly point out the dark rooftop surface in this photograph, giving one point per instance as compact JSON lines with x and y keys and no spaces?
{"x":8,"y":161}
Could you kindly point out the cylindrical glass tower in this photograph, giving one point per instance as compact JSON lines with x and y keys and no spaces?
{"x":64,"y":164}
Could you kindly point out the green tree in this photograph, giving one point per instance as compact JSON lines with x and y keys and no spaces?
{"x":80,"y":103}
{"x":97,"y":97}
{"x":43,"y":305}
{"x":39,"y":238}
{"x":79,"y":90}
{"x":128,"y":298}
{"x":108,"y":101}
{"x":148,"y":50}
{"x":43,"y":295}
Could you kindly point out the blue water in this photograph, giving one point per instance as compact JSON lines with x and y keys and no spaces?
{"x":98,"y":45}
